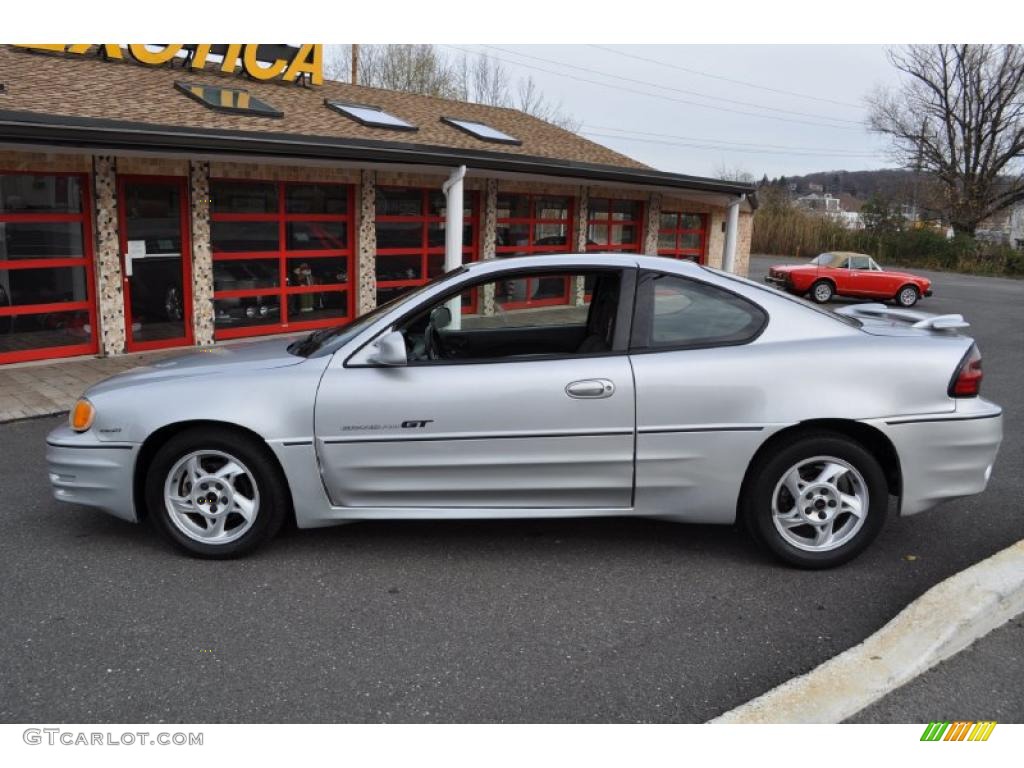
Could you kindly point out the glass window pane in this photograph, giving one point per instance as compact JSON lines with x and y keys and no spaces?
{"x":369,"y":115}
{"x":666,"y":241}
{"x":597,"y":234}
{"x":316,"y":198}
{"x":399,"y":202}
{"x":669,"y":220}
{"x":391,"y":268}
{"x":244,"y":236}
{"x":687,"y":313}
{"x":27,"y":193}
{"x":624,"y":235}
{"x":318,"y":271}
{"x":513,"y":206}
{"x":512,"y":235}
{"x":691,"y":221}
{"x":551,"y":208}
{"x":317,"y":235}
{"x":19,"y":333}
{"x":42,"y":286}
{"x":437,"y":205}
{"x":399,"y":234}
{"x":243,"y":196}
{"x":690,"y":241}
{"x":552,"y":236}
{"x":626,"y":210}
{"x":321,"y":305}
{"x":237,"y":100}
{"x":384,"y":295}
{"x":481,"y":130}
{"x":234,"y":275}
{"x":40,"y":240}
{"x":598,"y":207}
{"x":247,"y":311}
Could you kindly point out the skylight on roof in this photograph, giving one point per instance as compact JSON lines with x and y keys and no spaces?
{"x":480,"y":130}
{"x":233,"y":100}
{"x":374,"y":117}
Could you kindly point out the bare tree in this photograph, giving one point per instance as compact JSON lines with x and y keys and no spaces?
{"x":959,"y":114}
{"x":725,"y":173}
{"x":424,"y":69}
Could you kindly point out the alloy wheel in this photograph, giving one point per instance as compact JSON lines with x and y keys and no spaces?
{"x":211,"y":497}
{"x":820,"y":504}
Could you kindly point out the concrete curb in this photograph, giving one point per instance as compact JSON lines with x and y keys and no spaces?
{"x":942,"y":622}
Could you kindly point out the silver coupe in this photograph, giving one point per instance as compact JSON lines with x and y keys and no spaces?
{"x":575,"y":385}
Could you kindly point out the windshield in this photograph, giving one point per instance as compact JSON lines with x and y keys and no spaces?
{"x":826,"y":259}
{"x":340,"y":334}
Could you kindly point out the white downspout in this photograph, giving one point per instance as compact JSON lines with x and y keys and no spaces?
{"x":454,"y":207}
{"x":732,"y":223}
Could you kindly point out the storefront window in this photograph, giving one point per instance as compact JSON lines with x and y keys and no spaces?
{"x":282,"y":255}
{"x":47,"y":307}
{"x":410,"y":237}
{"x":532,"y":225}
{"x":615,"y":225}
{"x":683,"y":236}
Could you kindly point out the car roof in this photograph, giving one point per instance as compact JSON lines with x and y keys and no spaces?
{"x":582,"y":260}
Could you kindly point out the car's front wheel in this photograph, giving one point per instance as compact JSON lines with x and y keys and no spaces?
{"x":822,"y":291}
{"x":908,"y":296}
{"x":816,"y":501}
{"x":216,"y":493}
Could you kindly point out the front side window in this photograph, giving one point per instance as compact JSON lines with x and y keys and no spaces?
{"x":489,"y":321}
{"x":860,"y":262}
{"x":674,"y":312}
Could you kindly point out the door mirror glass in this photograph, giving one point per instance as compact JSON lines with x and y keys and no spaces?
{"x":441,"y":317}
{"x":388,"y":350}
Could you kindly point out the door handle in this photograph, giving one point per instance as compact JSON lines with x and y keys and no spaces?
{"x":590,"y":389}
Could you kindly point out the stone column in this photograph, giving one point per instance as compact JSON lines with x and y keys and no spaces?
{"x":367,"y":252}
{"x":202,"y":254}
{"x":488,"y":239}
{"x":653,"y":224}
{"x":109,"y":279}
{"x":579,"y":287}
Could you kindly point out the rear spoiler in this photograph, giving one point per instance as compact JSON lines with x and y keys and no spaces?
{"x":915,"y":319}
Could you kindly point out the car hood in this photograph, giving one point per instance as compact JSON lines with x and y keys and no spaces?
{"x":230,"y":358}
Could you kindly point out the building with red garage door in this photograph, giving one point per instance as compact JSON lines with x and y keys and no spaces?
{"x":155,"y":197}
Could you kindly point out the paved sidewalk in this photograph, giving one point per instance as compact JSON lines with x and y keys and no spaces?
{"x":38,"y":389}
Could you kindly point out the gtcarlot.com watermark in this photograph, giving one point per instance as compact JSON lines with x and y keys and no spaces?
{"x":60,"y":737}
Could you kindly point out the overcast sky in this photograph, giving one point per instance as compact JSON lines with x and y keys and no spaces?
{"x":780,"y":109}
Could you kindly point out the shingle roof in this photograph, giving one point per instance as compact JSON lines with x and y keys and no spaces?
{"x":79,"y":86}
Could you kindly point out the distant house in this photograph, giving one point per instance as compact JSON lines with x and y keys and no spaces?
{"x":843,"y":208}
{"x":1006,"y":227}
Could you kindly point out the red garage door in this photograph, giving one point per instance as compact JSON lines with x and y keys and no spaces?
{"x":47,"y":307}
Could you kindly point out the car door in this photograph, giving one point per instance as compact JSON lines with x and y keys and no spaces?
{"x":839,"y":272}
{"x":490,"y":429}
{"x":863,"y":281}
{"x":699,"y":406}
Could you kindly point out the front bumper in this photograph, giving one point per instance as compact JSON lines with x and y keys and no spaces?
{"x":778,"y":282}
{"x":945,"y":456}
{"x":928,"y":293}
{"x":91,"y":472}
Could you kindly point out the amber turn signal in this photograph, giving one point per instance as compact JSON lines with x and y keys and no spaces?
{"x":82,"y":415}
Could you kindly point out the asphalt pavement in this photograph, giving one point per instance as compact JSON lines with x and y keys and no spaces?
{"x":535,"y":621}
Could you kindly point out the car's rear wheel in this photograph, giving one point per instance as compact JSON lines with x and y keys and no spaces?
{"x":817,"y":501}
{"x":216,"y":493}
{"x":907,"y":296}
{"x":822,"y":291}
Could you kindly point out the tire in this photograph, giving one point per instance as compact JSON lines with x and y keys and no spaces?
{"x":254,"y":484}
{"x":822,"y":292}
{"x":786,"y":530}
{"x":907,"y":296}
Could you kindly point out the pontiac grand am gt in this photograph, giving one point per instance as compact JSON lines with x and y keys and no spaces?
{"x":550,"y":386}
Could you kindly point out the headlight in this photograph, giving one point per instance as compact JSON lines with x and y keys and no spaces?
{"x":81,"y":415}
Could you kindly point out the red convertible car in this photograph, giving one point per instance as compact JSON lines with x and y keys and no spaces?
{"x":849,"y":274}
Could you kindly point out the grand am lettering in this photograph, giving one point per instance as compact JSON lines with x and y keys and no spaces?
{"x":410,"y":424}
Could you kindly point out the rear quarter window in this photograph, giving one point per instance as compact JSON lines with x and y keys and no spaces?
{"x":675,"y":312}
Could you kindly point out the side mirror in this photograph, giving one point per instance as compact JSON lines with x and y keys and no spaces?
{"x":388,"y":350}
{"x":441,"y":317}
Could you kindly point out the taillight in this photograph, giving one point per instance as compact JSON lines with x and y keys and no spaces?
{"x":967,"y":380}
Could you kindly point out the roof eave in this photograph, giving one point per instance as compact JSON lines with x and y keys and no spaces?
{"x":59,"y":130}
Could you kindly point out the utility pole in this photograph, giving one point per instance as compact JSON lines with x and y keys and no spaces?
{"x":355,"y":64}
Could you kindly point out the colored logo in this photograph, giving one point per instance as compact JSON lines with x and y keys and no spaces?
{"x":960,"y":730}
